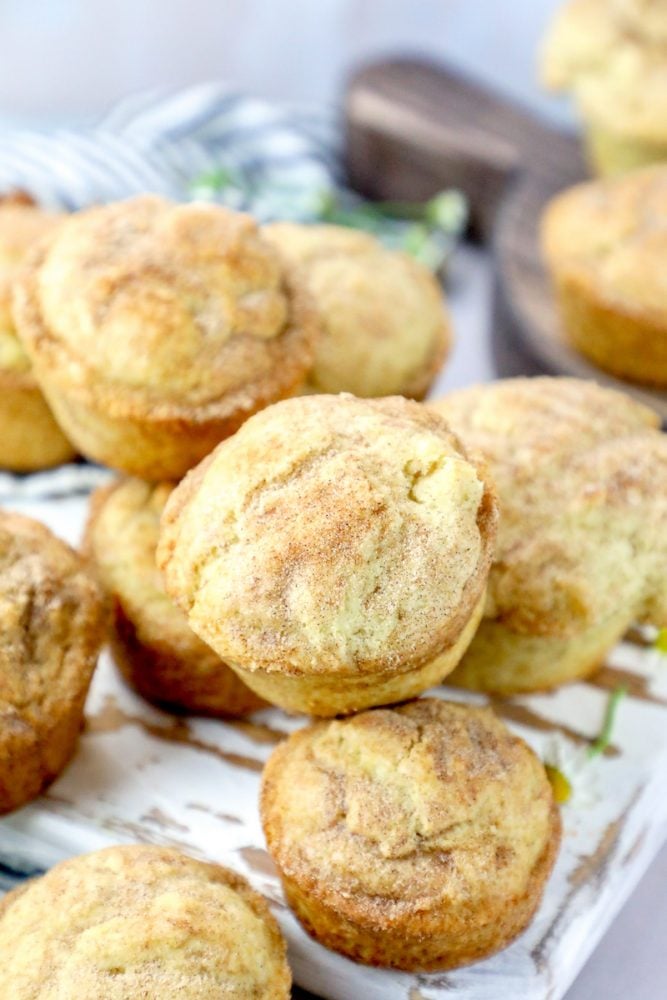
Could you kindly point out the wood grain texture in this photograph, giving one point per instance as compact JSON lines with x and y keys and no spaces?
{"x":141,"y":774}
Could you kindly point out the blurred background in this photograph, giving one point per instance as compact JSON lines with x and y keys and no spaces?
{"x":70,"y":60}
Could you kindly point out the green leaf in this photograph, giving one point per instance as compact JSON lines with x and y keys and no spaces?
{"x":601,"y":743}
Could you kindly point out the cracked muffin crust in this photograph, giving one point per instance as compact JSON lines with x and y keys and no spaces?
{"x":418,"y":837}
{"x":604,"y":243}
{"x":581,"y":476}
{"x":140,"y":921}
{"x":30,"y":439}
{"x":334,"y":552}
{"x":52,"y":624}
{"x":156,"y":329}
{"x":385,"y":328}
{"x":152,"y":643}
{"x":610,"y":54}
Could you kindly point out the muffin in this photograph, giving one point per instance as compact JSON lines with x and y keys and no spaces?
{"x":611,"y":55}
{"x":604,"y":243}
{"x":385,"y":328}
{"x":581,"y":475}
{"x":155,"y":329}
{"x":52,"y":624}
{"x":140,"y":921}
{"x":334,"y":552}
{"x":418,"y":837}
{"x":30,"y":439}
{"x":152,"y":643}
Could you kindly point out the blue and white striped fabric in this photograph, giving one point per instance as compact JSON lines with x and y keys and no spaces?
{"x":286,"y":156}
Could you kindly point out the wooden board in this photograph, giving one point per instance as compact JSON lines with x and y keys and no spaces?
{"x":141,"y":774}
{"x":413,"y":129}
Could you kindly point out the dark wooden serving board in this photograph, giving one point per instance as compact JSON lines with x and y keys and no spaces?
{"x":413,"y":128}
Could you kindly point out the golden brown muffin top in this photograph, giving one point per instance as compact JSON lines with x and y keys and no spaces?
{"x":330,"y":534}
{"x":385,"y":326}
{"x":581,"y":475}
{"x":398,"y":809}
{"x":611,"y":54}
{"x":22,"y":225}
{"x":51,"y":622}
{"x":611,"y":236}
{"x":140,"y":921}
{"x":175,"y":305}
{"x":122,"y":537}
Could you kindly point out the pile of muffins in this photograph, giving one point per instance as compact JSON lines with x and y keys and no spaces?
{"x":604,"y":241}
{"x":275,"y":538}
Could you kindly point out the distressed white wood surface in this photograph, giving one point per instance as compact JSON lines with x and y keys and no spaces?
{"x":141,"y":774}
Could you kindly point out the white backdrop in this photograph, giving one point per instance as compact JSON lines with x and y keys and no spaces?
{"x":65,"y":58}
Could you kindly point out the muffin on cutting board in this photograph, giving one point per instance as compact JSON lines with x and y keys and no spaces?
{"x":605,"y":244}
{"x":611,"y":55}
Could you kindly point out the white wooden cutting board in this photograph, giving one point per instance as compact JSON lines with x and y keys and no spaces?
{"x":141,"y":774}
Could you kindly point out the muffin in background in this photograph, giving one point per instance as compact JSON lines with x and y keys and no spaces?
{"x":52,"y":625}
{"x":151,"y":641}
{"x":605,"y":244}
{"x":140,"y":921}
{"x":386,"y":331}
{"x":611,"y":55}
{"x":30,"y":439}
{"x":418,"y":837}
{"x":581,"y":477}
{"x":334,"y":551}
{"x":156,"y":329}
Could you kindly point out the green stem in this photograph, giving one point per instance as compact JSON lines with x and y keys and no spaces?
{"x":604,"y":739}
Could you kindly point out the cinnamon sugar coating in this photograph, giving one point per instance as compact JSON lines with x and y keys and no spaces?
{"x":581,"y":475}
{"x":385,"y":328}
{"x":155,"y":329}
{"x":52,"y":625}
{"x":334,"y":551}
{"x":140,"y":921}
{"x":151,"y":641}
{"x":418,"y":837}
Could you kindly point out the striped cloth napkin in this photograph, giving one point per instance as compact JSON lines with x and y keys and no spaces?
{"x":278,"y":162}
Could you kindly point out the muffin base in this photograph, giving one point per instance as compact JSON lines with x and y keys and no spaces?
{"x":611,"y":153}
{"x":503,"y":662}
{"x":32,"y":756}
{"x":31,"y":439}
{"x":168,"y":680}
{"x":627,"y":344}
{"x":328,"y":695}
{"x":426,"y":940}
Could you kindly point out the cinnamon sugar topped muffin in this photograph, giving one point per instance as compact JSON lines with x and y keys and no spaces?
{"x":385,"y":328}
{"x":334,"y":552}
{"x":604,"y":244}
{"x":30,"y":437}
{"x":52,"y":625}
{"x":140,"y":921}
{"x":418,"y":837}
{"x":611,"y":55}
{"x":152,"y":643}
{"x":155,"y":329}
{"x":581,"y":475}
